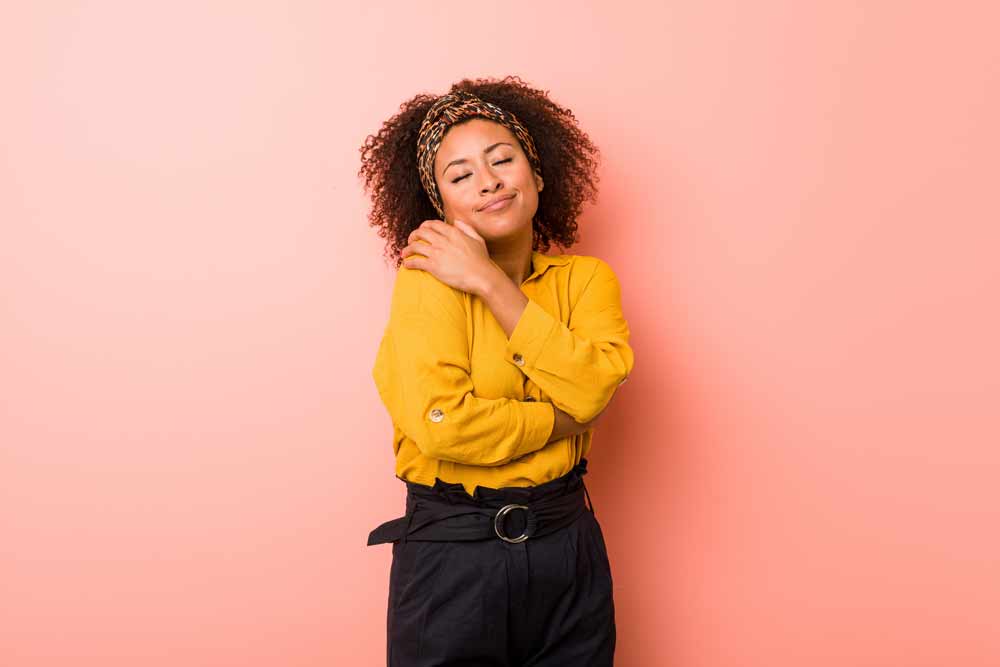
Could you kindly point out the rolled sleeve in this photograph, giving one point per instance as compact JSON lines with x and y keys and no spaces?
{"x":580,"y":364}
{"x":423,"y":375}
{"x":530,"y":334}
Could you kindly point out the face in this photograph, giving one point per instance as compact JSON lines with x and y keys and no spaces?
{"x":477,"y":162}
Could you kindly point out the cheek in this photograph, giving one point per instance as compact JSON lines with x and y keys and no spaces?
{"x":459,"y":202}
{"x":526,"y":181}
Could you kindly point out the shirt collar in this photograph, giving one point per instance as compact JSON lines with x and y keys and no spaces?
{"x":540,"y":262}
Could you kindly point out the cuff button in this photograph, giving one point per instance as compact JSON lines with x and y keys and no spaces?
{"x":436,"y":415}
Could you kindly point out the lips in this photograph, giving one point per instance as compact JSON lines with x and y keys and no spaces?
{"x":496,"y":204}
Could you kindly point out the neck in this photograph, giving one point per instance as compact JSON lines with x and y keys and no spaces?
{"x":514,"y":259}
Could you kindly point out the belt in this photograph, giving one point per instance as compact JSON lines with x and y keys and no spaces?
{"x":435,"y":517}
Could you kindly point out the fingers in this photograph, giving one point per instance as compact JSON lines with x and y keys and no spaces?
{"x":437,"y":227}
{"x":418,"y":235}
{"x":415,"y":262}
{"x":430,"y":230}
{"x":418,"y":248}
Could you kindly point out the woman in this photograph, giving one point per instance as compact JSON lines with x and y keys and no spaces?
{"x":495,"y":364}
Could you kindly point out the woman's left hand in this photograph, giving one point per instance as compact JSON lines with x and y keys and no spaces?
{"x":455,"y":254}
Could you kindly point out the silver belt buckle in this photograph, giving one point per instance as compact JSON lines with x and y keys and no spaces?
{"x":500,"y":515}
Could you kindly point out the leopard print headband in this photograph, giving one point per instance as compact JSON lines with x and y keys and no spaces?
{"x":445,"y":112}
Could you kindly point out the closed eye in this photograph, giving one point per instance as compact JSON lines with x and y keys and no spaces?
{"x":456,"y":180}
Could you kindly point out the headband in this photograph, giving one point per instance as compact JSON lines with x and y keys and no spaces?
{"x":445,"y":112}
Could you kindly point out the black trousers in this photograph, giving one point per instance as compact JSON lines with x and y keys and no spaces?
{"x":466,"y":587}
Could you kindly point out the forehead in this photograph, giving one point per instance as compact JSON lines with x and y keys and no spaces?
{"x":466,"y":139}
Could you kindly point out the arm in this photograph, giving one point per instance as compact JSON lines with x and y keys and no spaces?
{"x":422,"y":373}
{"x":580,"y":364}
{"x":565,"y":426}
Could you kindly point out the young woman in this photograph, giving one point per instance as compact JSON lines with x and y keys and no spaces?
{"x":495,"y":364}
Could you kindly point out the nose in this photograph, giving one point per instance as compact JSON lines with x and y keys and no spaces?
{"x":491,"y":183}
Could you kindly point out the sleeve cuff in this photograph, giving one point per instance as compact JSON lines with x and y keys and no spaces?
{"x":529,"y":335}
{"x":539,"y":420}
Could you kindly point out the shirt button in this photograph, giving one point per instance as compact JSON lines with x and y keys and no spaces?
{"x":518,"y":359}
{"x":529,"y":398}
{"x":436,"y":415}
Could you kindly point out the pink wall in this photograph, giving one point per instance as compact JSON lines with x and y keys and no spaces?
{"x":800,"y":200}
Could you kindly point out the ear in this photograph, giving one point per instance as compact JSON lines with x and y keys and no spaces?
{"x":539,"y":183}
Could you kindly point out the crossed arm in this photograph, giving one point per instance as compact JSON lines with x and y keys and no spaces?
{"x":507,"y":303}
{"x":423,"y":373}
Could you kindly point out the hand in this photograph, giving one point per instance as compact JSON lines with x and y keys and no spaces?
{"x":455,"y":254}
{"x":593,"y":422}
{"x":565,"y":426}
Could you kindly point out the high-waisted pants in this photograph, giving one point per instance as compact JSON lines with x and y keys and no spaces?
{"x":531,"y":587}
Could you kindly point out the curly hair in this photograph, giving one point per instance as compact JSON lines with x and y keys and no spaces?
{"x":569,"y":162}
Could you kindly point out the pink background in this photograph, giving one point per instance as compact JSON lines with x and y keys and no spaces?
{"x":800,"y":200}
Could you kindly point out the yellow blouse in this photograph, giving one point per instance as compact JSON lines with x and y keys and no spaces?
{"x":470,"y":405}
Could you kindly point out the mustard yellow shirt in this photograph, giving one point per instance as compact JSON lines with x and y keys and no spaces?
{"x":469,"y":405}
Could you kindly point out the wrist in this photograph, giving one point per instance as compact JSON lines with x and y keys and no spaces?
{"x":491,"y":281}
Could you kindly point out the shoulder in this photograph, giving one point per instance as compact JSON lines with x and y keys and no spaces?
{"x":583,"y":263}
{"x":416,"y":291}
{"x":593,"y":278}
{"x":589,"y":269}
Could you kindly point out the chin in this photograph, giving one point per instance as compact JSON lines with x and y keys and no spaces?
{"x":507,"y":222}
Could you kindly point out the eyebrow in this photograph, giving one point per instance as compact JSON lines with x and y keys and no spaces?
{"x":488,"y":149}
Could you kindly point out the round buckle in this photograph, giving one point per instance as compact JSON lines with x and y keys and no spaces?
{"x":530,"y":524}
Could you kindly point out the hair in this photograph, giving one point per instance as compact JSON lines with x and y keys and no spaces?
{"x":568,"y":158}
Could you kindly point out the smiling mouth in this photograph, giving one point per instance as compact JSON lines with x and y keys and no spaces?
{"x":497,"y":205}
